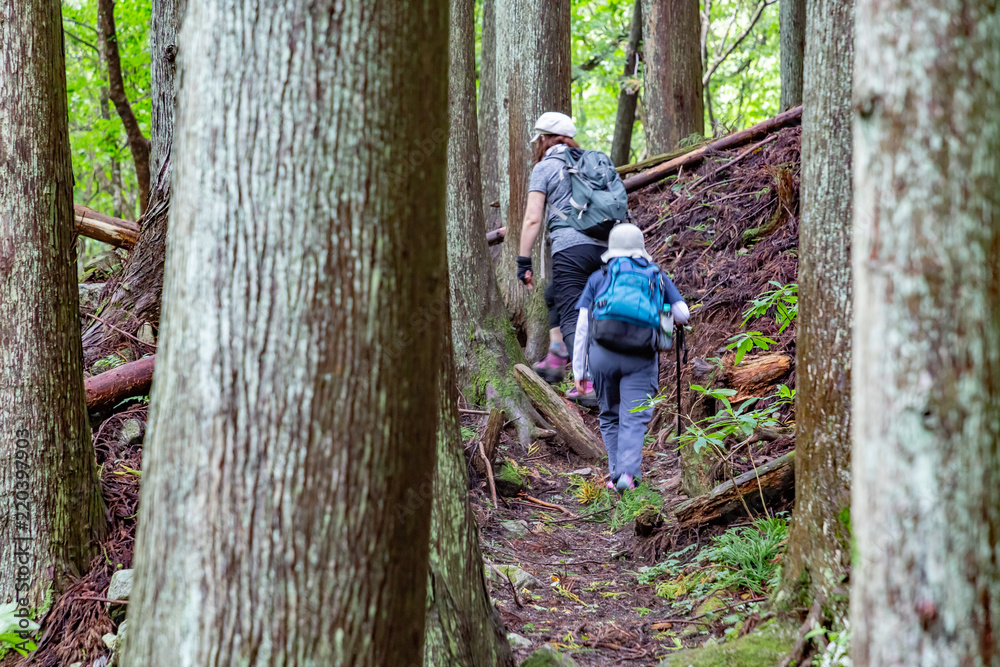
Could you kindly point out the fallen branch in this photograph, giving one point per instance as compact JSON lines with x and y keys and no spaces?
{"x":98,"y":598}
{"x":566,"y":422}
{"x":107,"y":389}
{"x":692,"y":158}
{"x":650,"y":162}
{"x":124,"y":333}
{"x":496,"y":236}
{"x":771,"y":479}
{"x":115,"y":231}
{"x":489,"y":474}
{"x":551,"y":506}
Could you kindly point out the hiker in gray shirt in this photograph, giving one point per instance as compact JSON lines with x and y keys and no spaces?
{"x":574,"y":254}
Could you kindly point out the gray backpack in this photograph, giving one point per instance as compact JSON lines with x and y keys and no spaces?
{"x":599,"y":200}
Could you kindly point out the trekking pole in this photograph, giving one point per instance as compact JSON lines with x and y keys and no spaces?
{"x":679,"y":340}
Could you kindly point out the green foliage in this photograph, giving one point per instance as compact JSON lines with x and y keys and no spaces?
{"x":838,"y":648}
{"x":588,"y":492}
{"x":12,"y":626}
{"x":108,"y":363}
{"x":633,"y":502}
{"x":468,"y":433}
{"x":511,"y":472}
{"x":783,"y":301}
{"x":785,"y":396}
{"x":739,"y":420}
{"x":102,"y":162}
{"x":748,"y":340}
{"x":747,"y":557}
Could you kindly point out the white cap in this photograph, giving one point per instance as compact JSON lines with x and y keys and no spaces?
{"x":553,"y":122}
{"x":626,"y":240}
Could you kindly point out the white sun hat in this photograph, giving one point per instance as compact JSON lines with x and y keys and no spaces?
{"x":626,"y":241}
{"x":553,"y":122}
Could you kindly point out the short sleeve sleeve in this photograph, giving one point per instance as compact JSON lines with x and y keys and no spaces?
{"x":540,"y":176}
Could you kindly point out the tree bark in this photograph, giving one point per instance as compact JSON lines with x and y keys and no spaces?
{"x":489,"y":120}
{"x":138,"y":144}
{"x":792,"y":16}
{"x":296,"y":401}
{"x":52,"y":507}
{"x":163,"y":29}
{"x":628,"y":96}
{"x":484,"y":342}
{"x":818,"y":555}
{"x":675,"y":108}
{"x":532,"y":76}
{"x":926,"y":390}
{"x":463,"y":627}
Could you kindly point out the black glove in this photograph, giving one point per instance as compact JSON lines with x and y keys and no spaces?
{"x":523,"y":266}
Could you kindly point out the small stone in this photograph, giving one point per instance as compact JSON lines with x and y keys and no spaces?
{"x":582,"y":472}
{"x":548,"y":656}
{"x":132,"y":432}
{"x":120,"y":587}
{"x":517,"y":528}
{"x":119,"y":647}
{"x":145,"y":334}
{"x":90,"y":295}
{"x":110,"y":640}
{"x":518,"y":577}
{"x":517,"y":641}
{"x":76,"y":664}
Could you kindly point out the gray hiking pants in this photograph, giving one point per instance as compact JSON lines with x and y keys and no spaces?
{"x":622,"y":382}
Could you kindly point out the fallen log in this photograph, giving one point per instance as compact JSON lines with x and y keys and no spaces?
{"x":755,"y":376}
{"x":489,"y":441}
{"x":115,"y":231}
{"x":773,"y":478}
{"x":730,"y":141}
{"x":496,"y":237}
{"x":651,"y":162}
{"x":567,"y":423}
{"x":108,"y":389}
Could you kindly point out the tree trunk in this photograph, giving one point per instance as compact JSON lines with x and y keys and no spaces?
{"x":463,"y":627}
{"x":488,"y":120}
{"x":532,"y":77}
{"x":793,"y":48}
{"x":628,"y":97}
{"x":134,"y":299}
{"x":818,"y":554}
{"x":163,"y":28}
{"x":673,"y":71}
{"x":138,"y":144}
{"x":485,"y":345}
{"x":926,"y":390}
{"x":296,"y":401}
{"x":52,"y":507}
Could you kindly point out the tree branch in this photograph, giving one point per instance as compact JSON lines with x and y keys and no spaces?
{"x":725,"y":54}
{"x":137,"y":142}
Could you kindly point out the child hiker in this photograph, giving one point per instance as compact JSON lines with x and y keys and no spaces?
{"x":626,"y":316}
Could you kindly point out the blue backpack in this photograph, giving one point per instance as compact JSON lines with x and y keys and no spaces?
{"x":629,"y":313}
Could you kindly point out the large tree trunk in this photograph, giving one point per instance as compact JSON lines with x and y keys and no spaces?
{"x":926,"y":503}
{"x":134,"y":299}
{"x":628,"y":96}
{"x":532,"y":77}
{"x":137,"y":142}
{"x":53,"y":515}
{"x":488,"y":120}
{"x":793,"y":45}
{"x":671,"y":42}
{"x":485,"y":345}
{"x":818,"y":554}
{"x":463,"y":627}
{"x":306,"y":263}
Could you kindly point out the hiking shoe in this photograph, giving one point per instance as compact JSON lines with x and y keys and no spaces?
{"x":552,"y":368}
{"x":611,"y":486}
{"x":625,"y":483}
{"x":588,"y":399}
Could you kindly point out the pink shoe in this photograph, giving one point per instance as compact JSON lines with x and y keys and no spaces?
{"x":625,"y":483}
{"x":552,"y":368}
{"x":587,"y":399}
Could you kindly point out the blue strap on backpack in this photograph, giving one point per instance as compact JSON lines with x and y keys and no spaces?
{"x":629,"y":313}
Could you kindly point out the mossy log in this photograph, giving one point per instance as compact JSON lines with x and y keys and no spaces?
{"x":757,"y":375}
{"x":773,"y":478}
{"x":490,"y":440}
{"x":567,"y":423}
{"x":94,"y":225}
{"x":109,"y":388}
{"x":734,"y":140}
